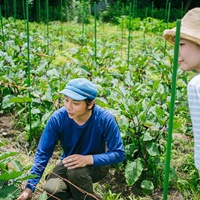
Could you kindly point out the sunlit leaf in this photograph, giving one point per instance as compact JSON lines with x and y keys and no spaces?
{"x":133,"y":171}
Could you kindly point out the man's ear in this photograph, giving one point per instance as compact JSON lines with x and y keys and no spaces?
{"x":90,"y":106}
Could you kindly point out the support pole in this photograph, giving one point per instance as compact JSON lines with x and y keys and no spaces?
{"x":28,"y":67}
{"x":172,"y":102}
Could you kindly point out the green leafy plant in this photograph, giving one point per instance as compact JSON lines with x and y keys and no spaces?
{"x":137,"y":93}
{"x":111,"y":196}
{"x":12,"y":173}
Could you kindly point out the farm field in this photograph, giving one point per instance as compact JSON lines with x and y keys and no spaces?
{"x":132,"y":68}
{"x":113,"y":186}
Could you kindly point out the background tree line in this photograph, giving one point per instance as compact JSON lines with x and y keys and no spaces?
{"x":108,"y":10}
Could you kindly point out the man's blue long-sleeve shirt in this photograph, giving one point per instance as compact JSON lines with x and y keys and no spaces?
{"x":99,"y":133}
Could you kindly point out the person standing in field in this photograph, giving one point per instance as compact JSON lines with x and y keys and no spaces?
{"x":189,"y":59}
{"x":90,"y":139}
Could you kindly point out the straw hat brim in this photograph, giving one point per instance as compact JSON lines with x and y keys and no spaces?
{"x":169,"y":35}
{"x":190,"y":27}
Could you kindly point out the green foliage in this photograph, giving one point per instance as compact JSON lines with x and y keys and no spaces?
{"x":147,"y":25}
{"x":109,"y":11}
{"x":147,"y":186}
{"x":133,"y":171}
{"x":83,"y":12}
{"x":12,"y":173}
{"x":112,"y":13}
{"x":137,"y":93}
{"x":43,"y":196}
{"x":111,"y":196}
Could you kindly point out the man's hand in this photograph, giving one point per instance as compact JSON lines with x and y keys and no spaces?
{"x":77,"y":160}
{"x":26,"y":194}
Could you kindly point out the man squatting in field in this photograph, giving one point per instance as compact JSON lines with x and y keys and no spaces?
{"x":189,"y":59}
{"x":90,"y":140}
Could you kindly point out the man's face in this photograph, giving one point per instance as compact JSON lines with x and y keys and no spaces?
{"x":77,"y":110}
{"x":189,"y":56}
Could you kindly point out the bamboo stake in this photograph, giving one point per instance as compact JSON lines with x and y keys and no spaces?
{"x":172,"y":102}
{"x":28,"y":66}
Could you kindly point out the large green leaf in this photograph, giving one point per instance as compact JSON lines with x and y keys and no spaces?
{"x":43,"y":196}
{"x":9,"y":192}
{"x":6,"y":176}
{"x":147,"y":136}
{"x":147,"y":186}
{"x":6,"y":101}
{"x":20,"y":99}
{"x":7,"y":155}
{"x":133,"y":171}
{"x":152,"y":149}
{"x":17,"y":165}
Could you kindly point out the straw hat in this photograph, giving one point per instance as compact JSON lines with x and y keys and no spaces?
{"x":190,"y":27}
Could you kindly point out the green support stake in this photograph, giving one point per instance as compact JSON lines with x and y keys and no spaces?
{"x":95,"y":34}
{"x":15,"y":9}
{"x":28,"y":66}
{"x":152,"y":9}
{"x":61,"y":19}
{"x":135,"y":9}
{"x":166,"y":9}
{"x":122,"y":29}
{"x":65,"y":11}
{"x":38,"y":11}
{"x":24,"y":10}
{"x":47,"y":23}
{"x":83,"y":22}
{"x":168,"y":15}
{"x":144,"y":36}
{"x":2,"y":29}
{"x":129,"y":32}
{"x":5,"y":8}
{"x":146,"y":12}
{"x":134,"y":5}
{"x":172,"y":102}
{"x":182,"y":13}
{"x":61,"y":11}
